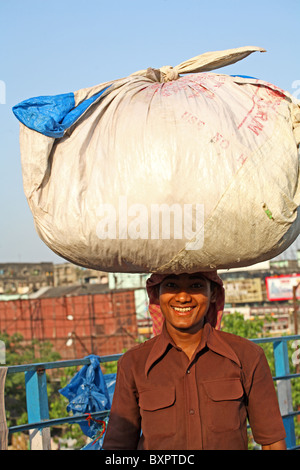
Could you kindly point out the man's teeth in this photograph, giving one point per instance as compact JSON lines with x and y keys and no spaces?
{"x":182,"y":309}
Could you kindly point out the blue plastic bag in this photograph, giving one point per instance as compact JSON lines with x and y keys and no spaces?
{"x":90,"y":391}
{"x":53,"y":115}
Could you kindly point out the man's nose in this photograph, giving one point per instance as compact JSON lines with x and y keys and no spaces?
{"x":183,"y":296}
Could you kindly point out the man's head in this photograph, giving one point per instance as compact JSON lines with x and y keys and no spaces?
{"x":200,"y":296}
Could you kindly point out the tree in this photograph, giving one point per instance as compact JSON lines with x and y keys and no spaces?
{"x":235,"y":323}
{"x":20,"y":352}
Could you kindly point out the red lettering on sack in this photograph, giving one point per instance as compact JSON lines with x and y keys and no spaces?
{"x":257,"y":115}
{"x":218,"y":138}
{"x":262,"y":115}
{"x":152,"y":89}
{"x":261,"y":108}
{"x":241,"y":159}
{"x":200,"y":90}
{"x":251,"y":110}
{"x":192,"y":119}
{"x":191,"y":86}
{"x":214,"y":80}
{"x":275,"y":92}
{"x":255,"y":126}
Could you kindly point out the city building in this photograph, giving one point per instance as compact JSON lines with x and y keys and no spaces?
{"x":23,"y":279}
{"x":67,"y":274}
{"x":77,"y":310}
{"x":76,"y":320}
{"x":19,"y":279}
{"x":247,"y":292}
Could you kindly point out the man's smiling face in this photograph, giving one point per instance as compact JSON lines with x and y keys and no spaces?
{"x":185,"y":300}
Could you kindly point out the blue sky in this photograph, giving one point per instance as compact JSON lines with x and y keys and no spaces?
{"x":55,"y":47}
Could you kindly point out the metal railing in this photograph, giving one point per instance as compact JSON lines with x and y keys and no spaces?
{"x":284,"y":388}
{"x":37,"y":400}
{"x":39,"y":422}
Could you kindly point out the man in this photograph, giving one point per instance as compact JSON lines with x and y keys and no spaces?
{"x":193,"y":386}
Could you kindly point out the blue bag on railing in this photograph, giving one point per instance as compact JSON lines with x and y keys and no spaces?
{"x":90,"y":391}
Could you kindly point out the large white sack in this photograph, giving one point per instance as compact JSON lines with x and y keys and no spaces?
{"x":227,"y":145}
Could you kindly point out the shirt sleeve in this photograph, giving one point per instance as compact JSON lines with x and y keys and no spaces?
{"x":123,"y":429}
{"x":263,"y":409}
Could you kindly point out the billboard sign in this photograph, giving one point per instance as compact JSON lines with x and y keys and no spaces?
{"x":281,"y":287}
{"x":243,"y":291}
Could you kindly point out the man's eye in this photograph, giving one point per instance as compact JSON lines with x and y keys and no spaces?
{"x":198,"y":285}
{"x":170,"y":284}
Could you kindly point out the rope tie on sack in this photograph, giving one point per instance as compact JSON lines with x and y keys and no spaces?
{"x":201,"y":63}
{"x":169,"y":73}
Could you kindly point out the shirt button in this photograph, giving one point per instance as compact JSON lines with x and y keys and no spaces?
{"x":188,"y":371}
{"x":192,"y":412}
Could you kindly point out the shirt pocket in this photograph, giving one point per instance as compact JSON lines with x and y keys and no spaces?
{"x":158,"y":411}
{"x":224,"y":403}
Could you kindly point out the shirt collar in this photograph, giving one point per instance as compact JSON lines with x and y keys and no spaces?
{"x":216,"y":342}
{"x":210,"y":338}
{"x":163,"y":340}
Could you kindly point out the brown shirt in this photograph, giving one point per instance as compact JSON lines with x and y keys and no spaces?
{"x":204,"y":403}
